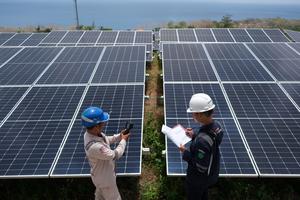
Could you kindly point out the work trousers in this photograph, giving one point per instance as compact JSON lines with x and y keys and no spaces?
{"x":107,"y":193}
{"x":196,"y":191}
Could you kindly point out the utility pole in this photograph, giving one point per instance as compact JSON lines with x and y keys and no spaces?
{"x":77,"y":19}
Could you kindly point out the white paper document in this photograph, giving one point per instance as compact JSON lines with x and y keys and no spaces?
{"x":176,"y":134}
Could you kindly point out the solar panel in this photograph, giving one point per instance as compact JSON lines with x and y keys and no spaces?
{"x":71,"y":37}
{"x":124,"y":53}
{"x":178,"y":96}
{"x":89,"y":37}
{"x":8,"y":98}
{"x":28,"y":148}
{"x":125,"y":37}
{"x":107,"y":37}
{"x":73,"y":161}
{"x":258,"y":35}
{"x":5,"y":36}
{"x":49,"y":103}
{"x":222,"y":35}
{"x":17,"y":39}
{"x":168,"y":35}
{"x":295,"y":35}
{"x":294,"y":91}
{"x":6,"y":53}
{"x":54,"y":37}
{"x":276,"y":35}
{"x":274,"y":144}
{"x":240,"y":35}
{"x":183,"y":51}
{"x":122,"y":101}
{"x":204,"y":35}
{"x":296,"y":46}
{"x":234,"y":62}
{"x":260,"y":101}
{"x":234,"y":157}
{"x":143,"y":37}
{"x":186,"y":35}
{"x":34,"y":39}
{"x":280,"y":60}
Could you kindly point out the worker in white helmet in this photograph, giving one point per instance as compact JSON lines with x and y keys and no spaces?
{"x":203,"y":157}
{"x":100,"y":156}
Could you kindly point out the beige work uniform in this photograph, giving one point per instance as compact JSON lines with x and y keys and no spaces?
{"x":102,"y":161}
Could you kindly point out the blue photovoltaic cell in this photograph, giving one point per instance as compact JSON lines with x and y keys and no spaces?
{"x":120,"y":72}
{"x":234,"y":62}
{"x":143,"y":37}
{"x":295,"y":46}
{"x":258,"y":35}
{"x":183,"y":51}
{"x":73,"y":161}
{"x":17,"y":39}
{"x":125,"y":37}
{"x":124,"y":53}
{"x":48,"y":103}
{"x":34,"y":39}
{"x":121,"y":101}
{"x":240,"y":35}
{"x":222,"y":35}
{"x":281,"y":61}
{"x":6,"y":53}
{"x":294,"y":91}
{"x":5,"y":36}
{"x":54,"y":37}
{"x":177,"y":97}
{"x":80,"y":55}
{"x":29,"y":147}
{"x":274,"y":144}
{"x":234,"y":156}
{"x":276,"y":35}
{"x":188,"y":70}
{"x":8,"y":98}
{"x":186,"y":35}
{"x":260,"y":101}
{"x":107,"y":37}
{"x":72,"y":37}
{"x":204,"y":35}
{"x":89,"y":37}
{"x":168,"y":35}
{"x":295,"y":35}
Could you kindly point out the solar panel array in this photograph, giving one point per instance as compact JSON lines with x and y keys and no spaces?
{"x":80,"y":38}
{"x":256,"y":97}
{"x":294,"y":35}
{"x":222,"y":35}
{"x":44,"y":90}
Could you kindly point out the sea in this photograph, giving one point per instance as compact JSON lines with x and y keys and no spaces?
{"x":133,"y":15}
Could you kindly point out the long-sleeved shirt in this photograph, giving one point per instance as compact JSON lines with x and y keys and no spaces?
{"x":102,"y":158}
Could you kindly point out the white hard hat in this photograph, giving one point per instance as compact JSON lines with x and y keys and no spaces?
{"x":200,"y":103}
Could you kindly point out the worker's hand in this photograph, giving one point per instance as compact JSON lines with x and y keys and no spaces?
{"x":182,"y":148}
{"x":124,"y":136}
{"x":189,"y":132}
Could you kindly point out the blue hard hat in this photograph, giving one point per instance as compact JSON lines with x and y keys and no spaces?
{"x":93,"y":116}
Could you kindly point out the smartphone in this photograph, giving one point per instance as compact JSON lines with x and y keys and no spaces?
{"x":127,"y":127}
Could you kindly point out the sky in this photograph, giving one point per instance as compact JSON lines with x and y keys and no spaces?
{"x":223,"y":1}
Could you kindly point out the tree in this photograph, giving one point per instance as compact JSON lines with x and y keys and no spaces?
{"x":226,"y":22}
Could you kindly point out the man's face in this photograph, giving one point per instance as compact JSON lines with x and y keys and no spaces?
{"x":198,"y":117}
{"x":100,"y":127}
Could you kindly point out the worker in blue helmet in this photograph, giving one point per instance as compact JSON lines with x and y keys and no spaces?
{"x":100,"y":156}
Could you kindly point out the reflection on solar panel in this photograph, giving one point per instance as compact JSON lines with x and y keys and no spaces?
{"x":17,"y":39}
{"x":54,"y":37}
{"x":294,"y":91}
{"x":107,"y":37}
{"x":168,"y":35}
{"x":89,"y":37}
{"x":240,"y":35}
{"x":295,"y":35}
{"x":5,"y":36}
{"x":234,"y":62}
{"x":258,"y":35}
{"x":222,"y":35}
{"x":280,"y":60}
{"x":27,"y":66}
{"x":125,"y":37}
{"x":276,"y":35}
{"x":34,"y":39}
{"x":6,"y":53}
{"x":186,"y":35}
{"x":72,"y":37}
{"x":296,"y":46}
{"x":234,"y":157}
{"x":204,"y":35}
